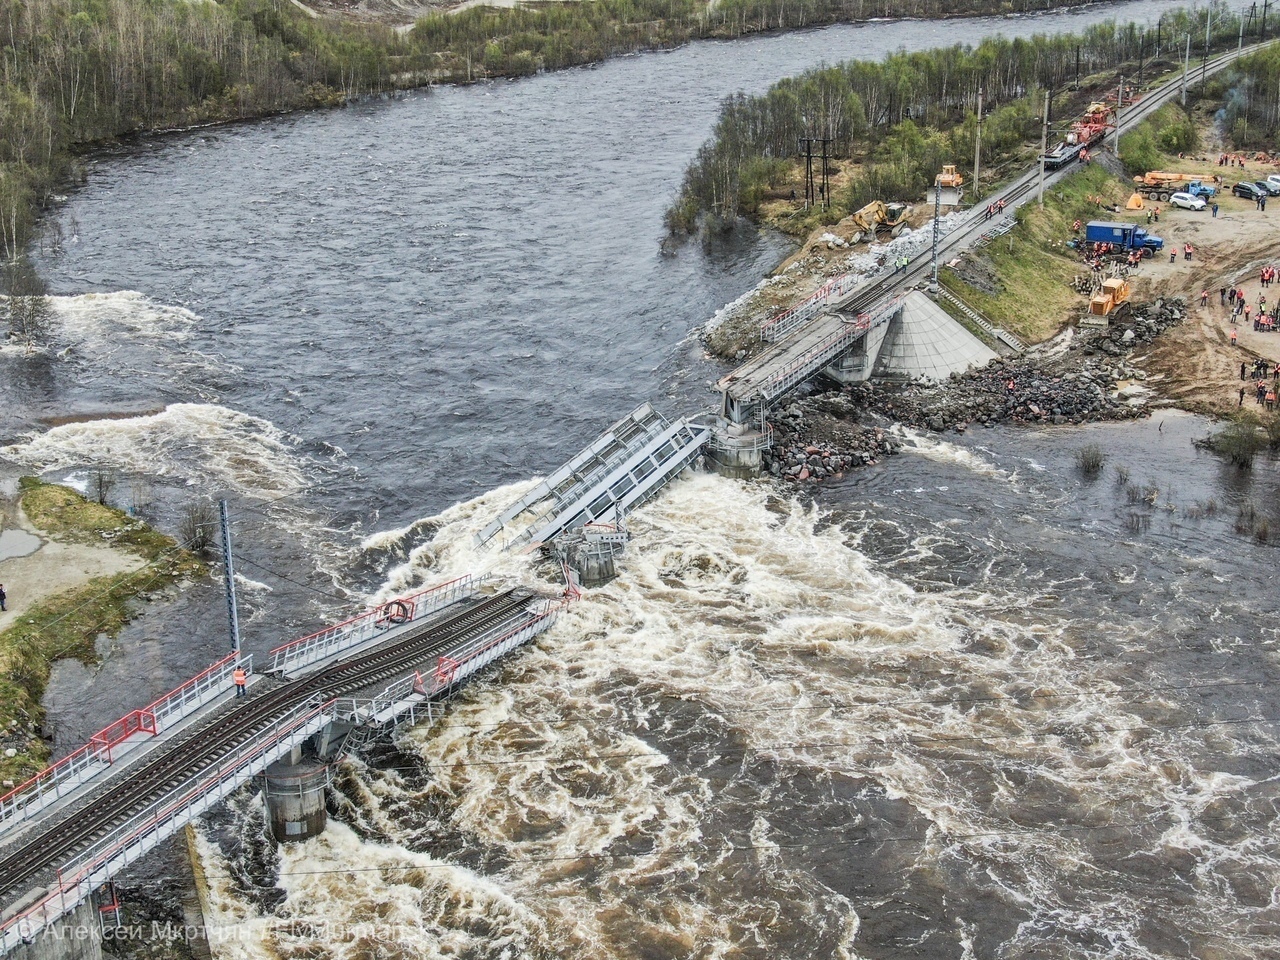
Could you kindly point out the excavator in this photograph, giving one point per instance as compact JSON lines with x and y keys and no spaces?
{"x":879,"y":216}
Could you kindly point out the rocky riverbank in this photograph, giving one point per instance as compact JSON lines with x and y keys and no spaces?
{"x":1082,"y":376}
{"x":819,"y":438}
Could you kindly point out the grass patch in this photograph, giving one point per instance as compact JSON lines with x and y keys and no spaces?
{"x":1090,"y":459}
{"x":1033,"y":265}
{"x":67,"y":625}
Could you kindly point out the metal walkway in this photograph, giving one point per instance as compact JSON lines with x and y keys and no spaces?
{"x":54,"y":864}
{"x":627,"y":464}
{"x":764,"y":379}
{"x":791,"y":319}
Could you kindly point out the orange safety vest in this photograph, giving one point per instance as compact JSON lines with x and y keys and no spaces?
{"x":240,"y":677}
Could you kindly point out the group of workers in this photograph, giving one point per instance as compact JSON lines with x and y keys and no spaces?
{"x":1187,"y":251}
{"x":1264,"y":374}
{"x":993,"y":209}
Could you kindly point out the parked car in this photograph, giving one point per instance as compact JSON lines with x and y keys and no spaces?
{"x":1250,"y":191}
{"x":1274,"y":178}
{"x":1271,"y":188}
{"x":1186,"y":201}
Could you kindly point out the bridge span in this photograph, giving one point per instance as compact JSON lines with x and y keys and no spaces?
{"x":391,"y":664}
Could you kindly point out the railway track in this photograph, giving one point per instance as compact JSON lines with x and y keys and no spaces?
{"x":1016,"y":193}
{"x":210,"y":743}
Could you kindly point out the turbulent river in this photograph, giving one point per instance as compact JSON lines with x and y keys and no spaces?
{"x":962,"y":704}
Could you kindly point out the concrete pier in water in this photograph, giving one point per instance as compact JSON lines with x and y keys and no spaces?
{"x":294,"y":792}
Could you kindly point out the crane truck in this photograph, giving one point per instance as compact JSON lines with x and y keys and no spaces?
{"x":1158,"y":185}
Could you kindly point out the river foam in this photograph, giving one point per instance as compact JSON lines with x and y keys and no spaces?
{"x":194,"y":443}
{"x":719,"y":752}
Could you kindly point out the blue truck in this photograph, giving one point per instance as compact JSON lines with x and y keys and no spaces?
{"x":1126,"y":236}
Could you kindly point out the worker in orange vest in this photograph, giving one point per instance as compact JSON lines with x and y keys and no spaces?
{"x":241,"y":678}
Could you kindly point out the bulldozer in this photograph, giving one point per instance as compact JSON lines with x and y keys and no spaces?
{"x":949,"y":179}
{"x":879,"y":216}
{"x":1112,"y":299}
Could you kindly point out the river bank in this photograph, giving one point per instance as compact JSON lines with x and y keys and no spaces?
{"x":73,"y":571}
{"x":1177,"y":346}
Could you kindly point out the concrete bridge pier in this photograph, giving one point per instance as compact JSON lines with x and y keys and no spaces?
{"x":77,"y":936}
{"x":294,"y":792}
{"x":736,"y":450}
{"x":592,"y":551}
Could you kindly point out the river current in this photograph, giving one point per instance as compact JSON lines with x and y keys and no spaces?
{"x":962,"y":704}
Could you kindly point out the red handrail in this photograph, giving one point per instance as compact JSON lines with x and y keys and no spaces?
{"x":108,"y":736}
{"x":368,"y":613}
{"x":193,"y":680}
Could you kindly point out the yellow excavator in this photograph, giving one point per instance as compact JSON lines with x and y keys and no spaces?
{"x":879,"y":216}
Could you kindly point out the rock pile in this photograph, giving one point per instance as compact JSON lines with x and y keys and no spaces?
{"x":819,"y":438}
{"x":1087,"y":381}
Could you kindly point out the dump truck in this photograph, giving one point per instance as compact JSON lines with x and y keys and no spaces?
{"x":1159,"y":185}
{"x":1125,"y":236}
{"x":1112,"y":298}
{"x":879,"y":216}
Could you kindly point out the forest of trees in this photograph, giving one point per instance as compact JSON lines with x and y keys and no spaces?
{"x":1250,"y":95}
{"x":78,"y":72}
{"x":906,"y":115}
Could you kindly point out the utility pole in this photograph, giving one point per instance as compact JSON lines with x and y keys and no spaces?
{"x":825,"y":191}
{"x":1263,"y":34}
{"x":977,"y":149}
{"x":229,"y":572}
{"x":1115,"y":147}
{"x":1240,"y":45}
{"x":1186,"y":68}
{"x":937,"y":219}
{"x":806,"y":148}
{"x":810,"y":191}
{"x":1044,"y":144}
{"x":1204,"y":64}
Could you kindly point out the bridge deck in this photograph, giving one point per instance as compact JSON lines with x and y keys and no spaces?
{"x":62,"y":841}
{"x":749,"y":379}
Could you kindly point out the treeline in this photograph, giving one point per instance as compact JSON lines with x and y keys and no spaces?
{"x":1250,"y":95}
{"x":76,"y":72}
{"x":906,"y":115}
{"x":80,"y":71}
{"x":486,"y":41}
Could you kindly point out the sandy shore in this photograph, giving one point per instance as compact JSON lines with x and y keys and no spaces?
{"x":46,"y":566}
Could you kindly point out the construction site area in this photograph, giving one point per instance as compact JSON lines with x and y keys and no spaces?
{"x":1102,"y":239}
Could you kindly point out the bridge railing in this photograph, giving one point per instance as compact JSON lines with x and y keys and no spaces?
{"x":467,"y":659}
{"x":144,"y":831}
{"x":349,"y":633}
{"x":71,"y":772}
{"x":411,"y":697}
{"x":205,"y":686}
{"x":824,"y":350}
{"x":783,"y":323}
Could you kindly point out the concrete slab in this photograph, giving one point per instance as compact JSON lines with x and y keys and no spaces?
{"x":926,"y":341}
